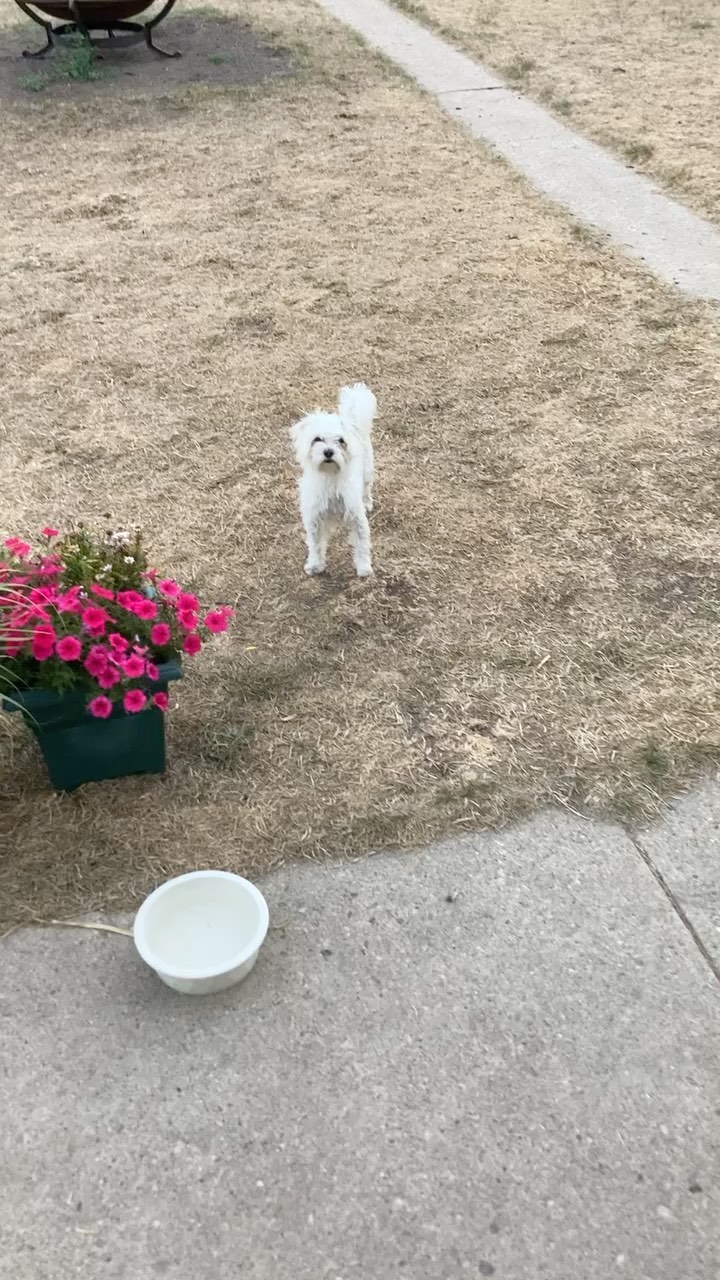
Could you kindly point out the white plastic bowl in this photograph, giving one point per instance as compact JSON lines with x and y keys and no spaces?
{"x":201,"y":932}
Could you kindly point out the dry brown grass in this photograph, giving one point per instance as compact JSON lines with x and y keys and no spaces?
{"x":543,"y":623}
{"x":639,"y":76}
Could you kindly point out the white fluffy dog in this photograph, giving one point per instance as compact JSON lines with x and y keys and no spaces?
{"x":336,"y":455}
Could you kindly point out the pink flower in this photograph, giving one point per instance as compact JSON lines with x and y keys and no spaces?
{"x":109,"y":677}
{"x":18,"y":548}
{"x":118,"y":643}
{"x":134,"y":666}
{"x":95,"y":620}
{"x":151,"y":671}
{"x":104,"y":593}
{"x":43,"y":643}
{"x":161,"y":634}
{"x":96,"y":663}
{"x":50,"y":533}
{"x":188,"y":619}
{"x":43,"y":595}
{"x":32,"y":612}
{"x":192,"y":643}
{"x":161,"y":701}
{"x":169,"y":587}
{"x":216,"y":621}
{"x":69,"y":648}
{"x":188,"y":601}
{"x":50,"y":566}
{"x":146,"y":609}
{"x":100,"y":707}
{"x":134,"y":700}
{"x":68,"y":602}
{"x":129,"y":599}
{"x":41,"y":652}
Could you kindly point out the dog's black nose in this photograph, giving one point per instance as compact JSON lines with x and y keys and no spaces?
{"x":327,"y":453}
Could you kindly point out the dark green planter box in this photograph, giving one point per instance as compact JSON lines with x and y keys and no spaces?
{"x":79,"y":748}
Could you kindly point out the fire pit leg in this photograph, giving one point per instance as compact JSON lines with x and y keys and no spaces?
{"x":48,"y":29}
{"x":77,"y":18}
{"x":148,"y":30}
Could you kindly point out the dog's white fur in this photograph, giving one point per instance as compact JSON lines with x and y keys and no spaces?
{"x":338,"y":467}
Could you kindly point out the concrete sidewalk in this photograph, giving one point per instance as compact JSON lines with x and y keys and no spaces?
{"x":522,"y":1080}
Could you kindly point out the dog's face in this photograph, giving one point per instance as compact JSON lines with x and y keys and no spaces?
{"x":321,"y":442}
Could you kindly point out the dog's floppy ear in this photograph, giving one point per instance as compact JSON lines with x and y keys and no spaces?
{"x":299,"y":437}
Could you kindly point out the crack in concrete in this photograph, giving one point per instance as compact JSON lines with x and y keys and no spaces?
{"x":676,"y":906}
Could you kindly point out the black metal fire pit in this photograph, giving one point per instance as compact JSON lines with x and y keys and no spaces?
{"x":87,"y":17}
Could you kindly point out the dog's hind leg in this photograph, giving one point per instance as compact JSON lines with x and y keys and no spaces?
{"x":368,"y":476}
{"x":316,"y":533}
{"x":359,"y":535}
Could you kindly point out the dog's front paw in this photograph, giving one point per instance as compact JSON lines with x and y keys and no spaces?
{"x":313,"y":568}
{"x":364,"y":570}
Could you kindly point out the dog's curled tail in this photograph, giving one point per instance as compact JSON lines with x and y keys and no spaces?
{"x":357,"y":408}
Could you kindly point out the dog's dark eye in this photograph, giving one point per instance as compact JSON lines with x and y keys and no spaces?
{"x":317,"y":440}
{"x":341,"y":441}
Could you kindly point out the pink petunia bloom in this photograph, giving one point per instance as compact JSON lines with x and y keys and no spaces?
{"x":118,"y":643}
{"x":192,"y":643}
{"x":96,"y":663}
{"x":129,"y":599}
{"x":100,"y":707}
{"x":51,"y":567}
{"x":161,"y":634}
{"x":216,"y":621}
{"x":68,"y":602}
{"x":47,"y":631}
{"x":18,"y":547}
{"x":42,"y":645}
{"x":188,"y":619}
{"x":96,"y":619}
{"x":41,"y":653}
{"x":146,"y":609}
{"x":188,"y":601}
{"x":134,"y":666}
{"x":69,"y":649}
{"x":134,"y":700}
{"x":43,"y":595}
{"x":161,"y":701}
{"x":151,"y":671}
{"x":103,"y":593}
{"x":50,"y":533}
{"x":169,"y":587}
{"x":32,"y":613}
{"x":108,"y":678}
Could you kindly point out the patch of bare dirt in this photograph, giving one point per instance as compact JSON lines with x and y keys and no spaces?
{"x":217,"y":47}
